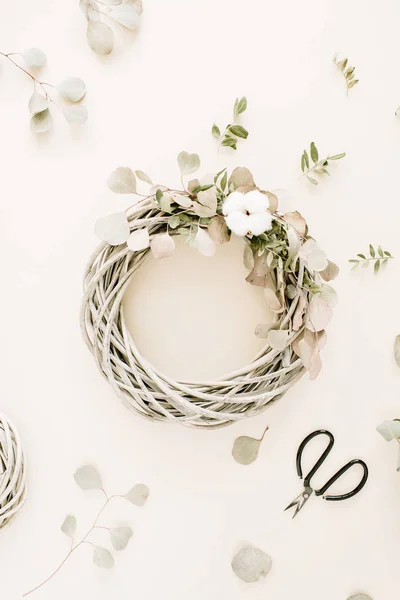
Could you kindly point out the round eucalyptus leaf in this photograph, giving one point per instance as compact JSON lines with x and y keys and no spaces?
{"x":88,"y":478}
{"x":69,"y":525}
{"x":100,"y":38}
{"x":102,"y":558}
{"x":34,"y":57}
{"x":126,"y":15}
{"x":113,"y":229}
{"x":139,"y":240}
{"x":138,"y":494}
{"x":37,"y":103}
{"x":251,"y":564}
{"x":75,"y":115}
{"x":42,"y":121}
{"x":122,"y":181}
{"x":360,"y":597}
{"x":120,"y":537}
{"x":245,"y":449}
{"x":72,"y":89}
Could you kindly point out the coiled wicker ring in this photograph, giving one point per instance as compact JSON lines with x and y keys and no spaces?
{"x":12,"y":472}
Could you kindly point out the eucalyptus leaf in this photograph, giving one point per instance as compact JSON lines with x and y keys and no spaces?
{"x":245,"y":448}
{"x":138,"y":494}
{"x":241,"y":177}
{"x":75,"y":115}
{"x":397,"y":350}
{"x":359,"y":597}
{"x":143,"y":177}
{"x":113,"y":229}
{"x":182,"y":200}
{"x":72,"y":89}
{"x":122,"y":181}
{"x":389,"y":430}
{"x":42,"y":122}
{"x":162,"y":246}
{"x":37,"y":103}
{"x":188,"y":163}
{"x":206,"y":204}
{"x":216,"y":131}
{"x":126,"y":15}
{"x":102,"y":557}
{"x":88,"y":478}
{"x":218,"y":231}
{"x":251,"y":564}
{"x":120,"y":537}
{"x":278,"y":338}
{"x":139,"y":240}
{"x":34,"y":57}
{"x":100,"y":38}
{"x":204,"y":243}
{"x":69,"y":526}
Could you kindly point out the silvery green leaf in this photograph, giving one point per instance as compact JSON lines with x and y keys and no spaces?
{"x":204,"y":243}
{"x":182,"y":200}
{"x":126,"y":15}
{"x":174,"y":221}
{"x":75,"y":115}
{"x":328,"y":295}
{"x":143,"y":177}
{"x":277,"y":338}
{"x":245,"y":449}
{"x":88,"y":478}
{"x":359,"y":597}
{"x":72,"y":89}
{"x":216,"y":131}
{"x":162,"y":246}
{"x":69,"y":526}
{"x":138,"y":494}
{"x":100,"y":38}
{"x":188,"y":163}
{"x":397,"y":350}
{"x":330,"y":272}
{"x":120,"y":537}
{"x":42,"y":121}
{"x":102,"y":557}
{"x":139,"y":240}
{"x":251,"y":564}
{"x":389,"y":430}
{"x":37,"y":103}
{"x":34,"y":57}
{"x":113,"y":229}
{"x":206,"y":203}
{"x":122,"y":181}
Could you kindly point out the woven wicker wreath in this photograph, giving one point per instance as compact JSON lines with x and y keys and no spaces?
{"x":12,"y":472}
{"x":280,"y":256}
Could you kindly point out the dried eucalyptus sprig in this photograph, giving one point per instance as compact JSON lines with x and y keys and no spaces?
{"x":379,"y":257}
{"x":70,"y":90}
{"x":88,"y":478}
{"x":347,"y":70}
{"x":320,"y":165}
{"x":233,"y":131}
{"x":390,"y":430}
{"x":100,"y":36}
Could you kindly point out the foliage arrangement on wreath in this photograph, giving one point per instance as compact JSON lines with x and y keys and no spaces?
{"x":280,"y":255}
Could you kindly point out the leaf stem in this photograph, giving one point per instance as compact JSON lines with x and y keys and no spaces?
{"x":83,"y":541}
{"x":33,"y":78}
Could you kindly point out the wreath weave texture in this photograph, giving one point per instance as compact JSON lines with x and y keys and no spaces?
{"x":208,"y":404}
{"x":12,"y":472}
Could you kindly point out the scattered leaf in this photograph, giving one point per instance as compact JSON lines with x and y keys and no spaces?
{"x":389,"y":430}
{"x":72,"y":89}
{"x":182,"y":200}
{"x":188,"y":163}
{"x":113,"y":229}
{"x":162,"y":245}
{"x":138,"y":494}
{"x":360,"y":597}
{"x":397,"y":350}
{"x":42,"y":122}
{"x":122,"y":181}
{"x":245,"y":448}
{"x":88,"y":478}
{"x":251,"y":564}
{"x":69,"y":526}
{"x":37,"y":103}
{"x":100,"y":38}
{"x":34,"y":57}
{"x":126,"y":15}
{"x":143,"y":177}
{"x":139,"y":240}
{"x":120,"y":537}
{"x":75,"y":115}
{"x":102,"y":558}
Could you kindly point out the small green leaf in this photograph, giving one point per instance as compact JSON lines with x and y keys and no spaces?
{"x":353,"y":83}
{"x":159,"y":195}
{"x":372,"y":251}
{"x":312,"y":180}
{"x":337,"y":156}
{"x":216,"y":131}
{"x":303,"y":163}
{"x":242,"y":105}
{"x":229,"y":141}
{"x":314,"y":152}
{"x":377,"y":266}
{"x":306,"y":159}
{"x":223,"y":181}
{"x":362,"y":256}
{"x":239,"y":131}
{"x":380,"y":251}
{"x":387,"y":253}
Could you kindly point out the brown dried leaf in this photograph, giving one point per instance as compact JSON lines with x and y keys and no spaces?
{"x":242,"y":180}
{"x":296,"y":220}
{"x":330,"y":272}
{"x":273,"y":201}
{"x":218,"y":230}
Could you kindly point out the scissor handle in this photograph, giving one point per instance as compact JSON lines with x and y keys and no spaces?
{"x":319,"y":462}
{"x":332,"y":480}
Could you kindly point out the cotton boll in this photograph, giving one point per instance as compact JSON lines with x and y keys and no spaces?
{"x":234,"y":202}
{"x":238,"y":222}
{"x":259,"y":222}
{"x":256,"y":202}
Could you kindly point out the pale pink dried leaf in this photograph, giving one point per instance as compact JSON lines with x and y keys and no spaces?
{"x":242,"y":178}
{"x":319,"y":314}
{"x":296,"y":220}
{"x":162,"y":246}
{"x":218,"y":230}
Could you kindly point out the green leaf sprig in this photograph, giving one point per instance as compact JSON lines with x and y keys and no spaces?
{"x":347,"y":70}
{"x":88,"y":478}
{"x":233,"y":131}
{"x":378,"y":257}
{"x":319,"y":166}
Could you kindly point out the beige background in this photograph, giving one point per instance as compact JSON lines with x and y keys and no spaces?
{"x":155,"y":96}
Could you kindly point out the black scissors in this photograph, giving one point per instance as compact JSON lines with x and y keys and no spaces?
{"x":300,"y":501}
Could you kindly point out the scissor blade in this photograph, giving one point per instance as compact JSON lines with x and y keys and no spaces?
{"x":299,"y":502}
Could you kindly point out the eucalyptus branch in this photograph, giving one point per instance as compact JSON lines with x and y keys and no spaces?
{"x":379,"y":257}
{"x":320,"y":165}
{"x":88,"y":478}
{"x":71,"y":90}
{"x":232,"y":132}
{"x":348,"y":72}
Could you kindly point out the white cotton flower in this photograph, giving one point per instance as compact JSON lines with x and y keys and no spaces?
{"x":247,"y":213}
